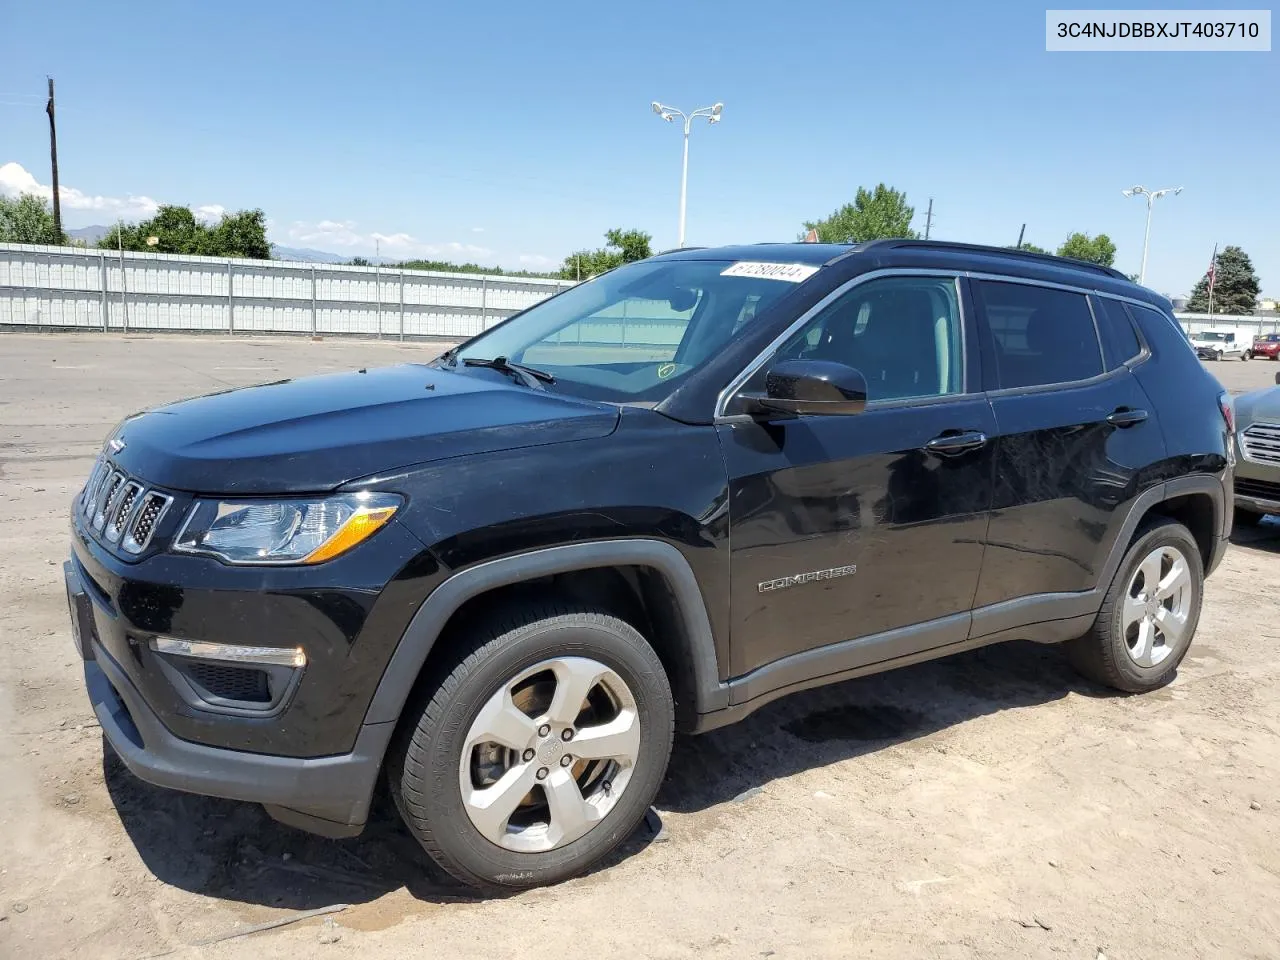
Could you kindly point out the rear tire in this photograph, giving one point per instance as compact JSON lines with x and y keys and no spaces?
{"x":1149,"y":615}
{"x":1246,"y":355}
{"x":551,"y":820}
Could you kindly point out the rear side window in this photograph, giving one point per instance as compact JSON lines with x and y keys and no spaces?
{"x":1119,"y":341}
{"x":1041,"y":335}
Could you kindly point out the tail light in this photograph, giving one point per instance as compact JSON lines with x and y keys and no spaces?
{"x":1228,"y":411}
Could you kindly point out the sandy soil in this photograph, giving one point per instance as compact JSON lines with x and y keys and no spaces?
{"x":989,"y":805}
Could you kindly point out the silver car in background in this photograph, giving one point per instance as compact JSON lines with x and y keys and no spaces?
{"x":1257,"y":474}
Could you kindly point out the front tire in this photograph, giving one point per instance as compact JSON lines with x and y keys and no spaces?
{"x":539,"y":751}
{"x":1149,"y":615}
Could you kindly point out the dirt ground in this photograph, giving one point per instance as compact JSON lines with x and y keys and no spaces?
{"x":988,"y":805}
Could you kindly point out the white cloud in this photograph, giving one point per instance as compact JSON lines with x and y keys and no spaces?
{"x":346,"y":235}
{"x":537,"y":261}
{"x":16,"y":180}
{"x":210,"y":212}
{"x":477,"y":229}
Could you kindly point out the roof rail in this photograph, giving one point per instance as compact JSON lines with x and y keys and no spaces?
{"x":1048,"y":259}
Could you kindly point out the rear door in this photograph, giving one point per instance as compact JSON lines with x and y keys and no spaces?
{"x":1077,"y":441}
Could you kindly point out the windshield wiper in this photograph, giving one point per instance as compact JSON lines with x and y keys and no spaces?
{"x":529,"y":376}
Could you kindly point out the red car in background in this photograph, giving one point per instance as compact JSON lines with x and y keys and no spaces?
{"x":1267,"y":345}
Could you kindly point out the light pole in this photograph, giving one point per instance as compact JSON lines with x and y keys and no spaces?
{"x":669,"y":114}
{"x":1152,"y":196}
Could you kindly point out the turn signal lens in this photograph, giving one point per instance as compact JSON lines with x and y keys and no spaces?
{"x":359,"y":526}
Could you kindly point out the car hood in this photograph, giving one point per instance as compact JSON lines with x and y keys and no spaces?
{"x":316,"y":433}
{"x":1257,"y":405}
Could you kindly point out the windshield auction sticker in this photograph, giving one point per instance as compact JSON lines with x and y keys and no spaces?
{"x":790,"y":272}
{"x":1149,"y":31}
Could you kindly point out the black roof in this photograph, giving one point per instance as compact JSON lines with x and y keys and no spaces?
{"x":960,"y":255}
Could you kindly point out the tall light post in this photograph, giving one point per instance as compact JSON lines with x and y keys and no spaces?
{"x":669,"y":114}
{"x":1152,"y":196}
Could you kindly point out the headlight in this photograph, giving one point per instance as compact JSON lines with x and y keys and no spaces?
{"x":284,"y":531}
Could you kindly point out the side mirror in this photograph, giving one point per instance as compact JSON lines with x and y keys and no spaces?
{"x":813,"y":387}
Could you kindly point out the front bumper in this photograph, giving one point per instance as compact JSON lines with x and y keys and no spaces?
{"x":347,"y":615}
{"x":326,"y":795}
{"x":1257,"y":485}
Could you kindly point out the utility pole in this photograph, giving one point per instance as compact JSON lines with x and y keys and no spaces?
{"x":928,"y":220}
{"x":1021,"y":233}
{"x":53,"y":156}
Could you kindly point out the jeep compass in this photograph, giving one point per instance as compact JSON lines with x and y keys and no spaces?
{"x":501,"y":580}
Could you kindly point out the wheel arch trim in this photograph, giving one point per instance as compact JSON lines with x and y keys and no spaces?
{"x":1205,"y":483}
{"x":419,"y":639}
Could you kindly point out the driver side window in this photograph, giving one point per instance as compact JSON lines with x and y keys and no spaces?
{"x":904,"y":334}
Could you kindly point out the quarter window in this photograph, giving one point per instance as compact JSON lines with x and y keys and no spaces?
{"x":902,"y":333}
{"x":1119,"y":342}
{"x":1041,"y":335}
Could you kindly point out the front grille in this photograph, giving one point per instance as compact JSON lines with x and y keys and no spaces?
{"x":1261,"y":442}
{"x":1262,"y":489}
{"x":244,"y":684}
{"x":121,"y":510}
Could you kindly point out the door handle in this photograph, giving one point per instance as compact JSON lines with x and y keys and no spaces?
{"x":1126,"y":417}
{"x":951,"y":443}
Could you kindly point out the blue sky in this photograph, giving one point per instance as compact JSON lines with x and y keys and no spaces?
{"x":514,"y":133}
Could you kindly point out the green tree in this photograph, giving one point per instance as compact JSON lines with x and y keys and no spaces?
{"x":874,"y":214}
{"x":623,"y":246}
{"x":359,"y":262}
{"x":1029,"y":247}
{"x":1235,"y":286}
{"x":27,"y":219}
{"x":241,"y":234}
{"x":176,"y":230}
{"x":1097,"y":249}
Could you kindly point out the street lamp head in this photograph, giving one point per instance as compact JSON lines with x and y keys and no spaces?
{"x":1135,"y":191}
{"x":657,"y":108}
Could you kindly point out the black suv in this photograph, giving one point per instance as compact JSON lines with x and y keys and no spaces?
{"x":654,"y":502}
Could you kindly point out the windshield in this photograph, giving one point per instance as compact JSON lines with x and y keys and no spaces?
{"x":634,"y":333}
{"x":1213,"y":336}
{"x":1269,"y":338}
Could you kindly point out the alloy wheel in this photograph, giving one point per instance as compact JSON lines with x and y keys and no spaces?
{"x":1157,"y":606}
{"x":549,"y":754}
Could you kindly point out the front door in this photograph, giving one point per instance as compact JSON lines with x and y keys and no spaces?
{"x":854,"y":530}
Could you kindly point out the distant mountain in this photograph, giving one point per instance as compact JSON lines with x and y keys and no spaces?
{"x":90,"y":235}
{"x":309,"y":255}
